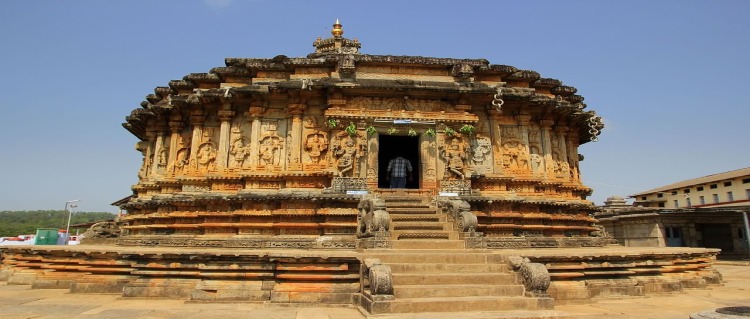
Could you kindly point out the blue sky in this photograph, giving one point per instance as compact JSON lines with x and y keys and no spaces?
{"x":669,"y":77}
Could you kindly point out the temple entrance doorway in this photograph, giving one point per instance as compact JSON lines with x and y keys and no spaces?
{"x":391,"y":146}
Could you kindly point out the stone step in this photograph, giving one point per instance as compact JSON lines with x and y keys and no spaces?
{"x":456,"y":304}
{"x":422,"y":291}
{"x":398,"y":211}
{"x":510,"y":314}
{"x":453,"y":279}
{"x":430,"y":268}
{"x":423,"y":234}
{"x":419,"y":226}
{"x":443,"y":256}
{"x":416,"y":217}
{"x":402,"y":198}
{"x":416,"y":243}
{"x":390,"y":205}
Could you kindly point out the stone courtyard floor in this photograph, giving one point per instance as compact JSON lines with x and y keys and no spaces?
{"x":20,"y":301}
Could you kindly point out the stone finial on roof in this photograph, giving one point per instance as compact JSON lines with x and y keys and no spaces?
{"x":337,"y":31}
{"x":337,"y":44}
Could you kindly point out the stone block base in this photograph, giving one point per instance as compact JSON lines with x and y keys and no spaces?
{"x":160,"y":288}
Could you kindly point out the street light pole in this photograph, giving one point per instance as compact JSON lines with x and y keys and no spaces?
{"x":67,"y":228}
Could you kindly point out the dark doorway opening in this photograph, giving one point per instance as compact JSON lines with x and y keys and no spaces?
{"x":392,"y":146}
{"x":716,"y":236}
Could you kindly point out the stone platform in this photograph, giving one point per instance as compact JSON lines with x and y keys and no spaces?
{"x":434,"y":280}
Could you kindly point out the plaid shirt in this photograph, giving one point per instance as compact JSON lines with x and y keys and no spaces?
{"x":398,"y":167}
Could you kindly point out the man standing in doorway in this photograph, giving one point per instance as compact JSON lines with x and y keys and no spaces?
{"x":399,"y":169}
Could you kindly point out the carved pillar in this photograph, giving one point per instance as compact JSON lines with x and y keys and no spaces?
{"x":255,"y":112}
{"x":148,"y":154}
{"x":158,"y":161}
{"x":547,"y":147}
{"x":523,"y":122}
{"x":572,"y":158}
{"x":561,"y":130}
{"x":295,"y":146}
{"x":495,"y":136}
{"x":225,"y":115}
{"x":175,"y":128}
{"x":429,"y":161}
{"x":564,"y":170}
{"x":196,"y":119}
{"x":373,"y":144}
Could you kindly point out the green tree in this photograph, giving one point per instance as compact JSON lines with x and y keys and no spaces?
{"x":14,"y":223}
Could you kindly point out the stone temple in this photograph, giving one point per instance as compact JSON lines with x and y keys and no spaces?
{"x":267,"y":180}
{"x":276,"y":152}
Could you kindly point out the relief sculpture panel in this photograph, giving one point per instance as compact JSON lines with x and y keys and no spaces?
{"x":481,"y":155}
{"x":516,"y":157}
{"x":316,"y":146}
{"x":347,"y":150}
{"x":536,"y":151}
{"x":206,"y":155}
{"x":182,"y":157}
{"x":270,"y":145}
{"x":453,"y":152}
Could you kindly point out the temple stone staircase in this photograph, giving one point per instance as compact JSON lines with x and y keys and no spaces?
{"x":433,"y":273}
{"x":456,"y":281}
{"x":417,"y":224}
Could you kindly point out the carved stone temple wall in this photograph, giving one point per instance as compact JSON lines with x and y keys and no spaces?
{"x":264,"y":149}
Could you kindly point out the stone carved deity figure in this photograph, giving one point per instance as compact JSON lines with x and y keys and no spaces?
{"x":481,"y":151}
{"x":240,"y":150}
{"x":536,"y":161}
{"x":523,"y":157}
{"x":142,"y":147}
{"x":269,"y":150}
{"x":161,"y":160}
{"x":181,"y":161}
{"x":316,"y":144}
{"x":454,"y":153}
{"x":346,"y":153}
{"x":182,"y":157}
{"x":563,"y":169}
{"x":206,"y":157}
{"x":516,"y":158}
{"x":510,"y":155}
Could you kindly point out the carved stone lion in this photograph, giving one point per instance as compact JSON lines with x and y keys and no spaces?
{"x":372,"y":217}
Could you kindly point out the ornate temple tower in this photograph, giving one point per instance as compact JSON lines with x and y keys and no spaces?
{"x":280,"y":152}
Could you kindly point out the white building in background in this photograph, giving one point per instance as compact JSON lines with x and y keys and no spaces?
{"x":710,"y":211}
{"x":718,"y":190}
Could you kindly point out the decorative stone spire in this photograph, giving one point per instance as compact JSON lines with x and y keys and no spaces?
{"x":337,"y":44}
{"x":337,"y":31}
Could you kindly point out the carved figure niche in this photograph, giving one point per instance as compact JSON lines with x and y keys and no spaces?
{"x":206,"y":156}
{"x":270,"y":144}
{"x":161,"y":160}
{"x":536,"y":159}
{"x":180,"y":164}
{"x":453,"y":153}
{"x":142,"y":146}
{"x":560,"y":166}
{"x":480,"y":155}
{"x":515,"y":154}
{"x":239,"y":148}
{"x":316,"y":146}
{"x":347,"y":150}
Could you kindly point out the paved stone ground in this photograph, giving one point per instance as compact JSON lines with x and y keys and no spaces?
{"x":23,"y":302}
{"x":735,"y":291}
